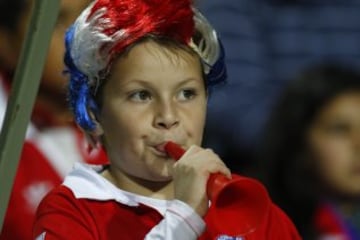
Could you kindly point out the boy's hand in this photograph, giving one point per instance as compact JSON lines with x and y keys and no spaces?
{"x":191,"y":173}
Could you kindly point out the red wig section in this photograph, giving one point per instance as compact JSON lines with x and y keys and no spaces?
{"x":168,"y":18}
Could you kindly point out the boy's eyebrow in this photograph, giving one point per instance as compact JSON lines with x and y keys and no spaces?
{"x":149,"y":83}
{"x":131,"y":82}
{"x":187,"y":80}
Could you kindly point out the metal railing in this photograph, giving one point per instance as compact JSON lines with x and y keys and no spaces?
{"x":23,"y":93}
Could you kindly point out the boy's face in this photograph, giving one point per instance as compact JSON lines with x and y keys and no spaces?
{"x":153,"y":95}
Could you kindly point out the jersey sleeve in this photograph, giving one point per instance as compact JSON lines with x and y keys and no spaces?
{"x":59,"y":217}
{"x":180,"y":222}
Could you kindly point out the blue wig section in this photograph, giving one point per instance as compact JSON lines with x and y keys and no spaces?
{"x":218,"y":73}
{"x":80,"y":97}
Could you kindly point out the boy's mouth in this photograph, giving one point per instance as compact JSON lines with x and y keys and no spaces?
{"x":160,"y":148}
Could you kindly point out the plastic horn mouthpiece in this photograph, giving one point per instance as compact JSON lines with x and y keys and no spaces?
{"x":238,"y":205}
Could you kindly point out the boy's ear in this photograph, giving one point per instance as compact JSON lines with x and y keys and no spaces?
{"x":93,"y":137}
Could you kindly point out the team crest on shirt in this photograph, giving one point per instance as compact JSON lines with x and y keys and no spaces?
{"x":41,"y":236}
{"x":225,"y":237}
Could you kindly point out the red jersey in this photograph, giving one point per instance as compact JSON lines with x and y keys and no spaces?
{"x":89,"y":207}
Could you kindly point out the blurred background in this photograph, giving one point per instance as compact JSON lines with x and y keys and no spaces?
{"x":267,"y":43}
{"x":53,"y":142}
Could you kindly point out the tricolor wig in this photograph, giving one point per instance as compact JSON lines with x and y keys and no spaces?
{"x":107,"y":27}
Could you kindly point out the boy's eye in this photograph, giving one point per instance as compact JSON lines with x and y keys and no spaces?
{"x":140,"y":96}
{"x":187,"y":94}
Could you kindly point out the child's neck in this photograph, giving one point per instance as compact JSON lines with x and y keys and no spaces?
{"x":158,"y":190}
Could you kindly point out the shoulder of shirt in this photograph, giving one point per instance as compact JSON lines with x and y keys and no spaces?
{"x":85,"y":182}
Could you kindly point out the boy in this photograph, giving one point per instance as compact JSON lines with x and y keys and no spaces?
{"x":140,"y":71}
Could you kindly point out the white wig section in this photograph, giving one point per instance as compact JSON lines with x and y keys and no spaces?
{"x":90,"y":48}
{"x":207,"y":46}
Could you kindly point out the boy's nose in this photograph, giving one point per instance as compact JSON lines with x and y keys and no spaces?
{"x":166,"y":116}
